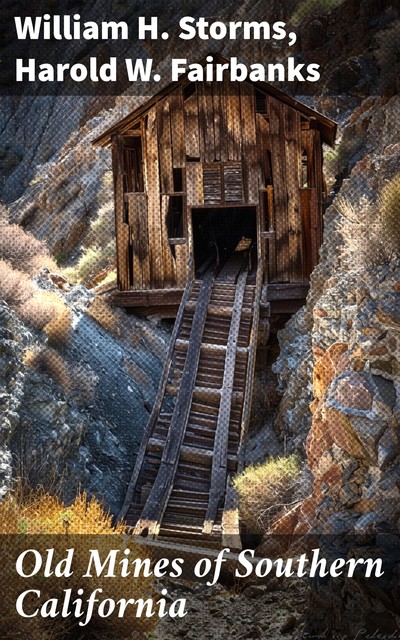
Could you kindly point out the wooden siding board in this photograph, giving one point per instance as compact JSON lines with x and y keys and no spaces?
{"x":232,"y":102}
{"x":206,"y":122}
{"x":137,"y":207}
{"x":122,"y":231}
{"x":305,"y":199}
{"x":280,"y":192}
{"x":153,"y":203}
{"x":194,"y":177}
{"x":177,"y":129}
{"x":168,"y":259}
{"x":251,"y":167}
{"x":165,"y":146}
{"x":192,"y":143}
{"x":181,"y":253}
{"x":293,"y":173}
{"x":218,"y":121}
{"x":263,"y":147}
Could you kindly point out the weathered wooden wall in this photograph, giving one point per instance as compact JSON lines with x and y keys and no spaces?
{"x":228,"y":154}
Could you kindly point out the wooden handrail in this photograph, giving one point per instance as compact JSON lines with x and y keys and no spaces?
{"x":159,"y":397}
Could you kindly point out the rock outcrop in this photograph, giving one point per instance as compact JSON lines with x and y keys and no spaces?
{"x":342,"y":401}
{"x":79,"y":427}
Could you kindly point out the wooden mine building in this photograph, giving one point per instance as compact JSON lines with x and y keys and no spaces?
{"x":200,"y":166}
{"x":218,"y":206}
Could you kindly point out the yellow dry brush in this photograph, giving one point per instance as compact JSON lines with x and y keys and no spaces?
{"x":39,"y":534}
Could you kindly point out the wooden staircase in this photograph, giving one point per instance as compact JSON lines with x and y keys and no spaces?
{"x":194,"y":441}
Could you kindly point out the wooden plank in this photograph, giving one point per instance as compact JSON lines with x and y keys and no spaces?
{"x":153,"y":202}
{"x":122,"y":231}
{"x":206,"y":122}
{"x":197,"y":455}
{"x":177,"y":128}
{"x":305,"y":201}
{"x":219,"y":465}
{"x":157,"y":405}
{"x":280,"y":192}
{"x":232,"y":106}
{"x":137,"y":207}
{"x":181,"y":258}
{"x":194,"y":177}
{"x":315,"y":225}
{"x":272,"y":241}
{"x":264,"y":148}
{"x":157,"y":501}
{"x":319,"y":182}
{"x":230,"y":519}
{"x":221,"y":122}
{"x":165,"y":146}
{"x":251,"y":364}
{"x":307,"y":140}
{"x":251,"y":166}
{"x":287,"y":291}
{"x":292,"y":132}
{"x":218,"y":121}
{"x":169,"y":266}
{"x":150,"y":297}
{"x":192,"y":143}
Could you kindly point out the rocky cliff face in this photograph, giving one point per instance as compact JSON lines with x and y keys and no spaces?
{"x":74,"y":421}
{"x":340,"y":366}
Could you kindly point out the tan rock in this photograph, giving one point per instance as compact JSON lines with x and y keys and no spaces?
{"x":318,"y":441}
{"x":352,"y":392}
{"x":342,"y":433}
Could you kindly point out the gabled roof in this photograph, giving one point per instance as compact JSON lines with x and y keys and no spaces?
{"x":326,"y":126}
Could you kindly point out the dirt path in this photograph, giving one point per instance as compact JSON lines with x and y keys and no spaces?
{"x":272,"y":610}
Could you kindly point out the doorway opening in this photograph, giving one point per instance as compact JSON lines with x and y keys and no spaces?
{"x":220,"y":231}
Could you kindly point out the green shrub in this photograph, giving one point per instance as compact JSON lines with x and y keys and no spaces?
{"x":266,"y":490}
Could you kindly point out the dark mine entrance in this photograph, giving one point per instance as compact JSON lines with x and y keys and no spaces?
{"x":220,"y":231}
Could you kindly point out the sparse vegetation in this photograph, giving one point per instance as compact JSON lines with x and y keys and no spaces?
{"x":105,"y":316}
{"x":41,"y":309}
{"x":59,"y":327}
{"x":75,"y":380}
{"x":389,"y":207}
{"x":266,"y":490}
{"x":98,"y":257}
{"x":94,"y":264}
{"x":15,"y":286}
{"x":20,"y":248}
{"x":370,"y":230}
{"x":33,"y":511}
{"x":37,"y":513}
{"x":21,"y":256}
{"x":49,"y":361}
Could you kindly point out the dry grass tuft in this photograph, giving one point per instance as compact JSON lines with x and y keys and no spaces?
{"x":41,"y":308}
{"x":389,"y":207}
{"x":49,"y":361}
{"x":105,"y":316}
{"x":58,"y":329}
{"x":34,"y":511}
{"x":370,"y":230}
{"x":77,"y":382}
{"x":82,"y":526}
{"x":20,"y":248}
{"x":15,"y":286}
{"x":266,"y":490}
